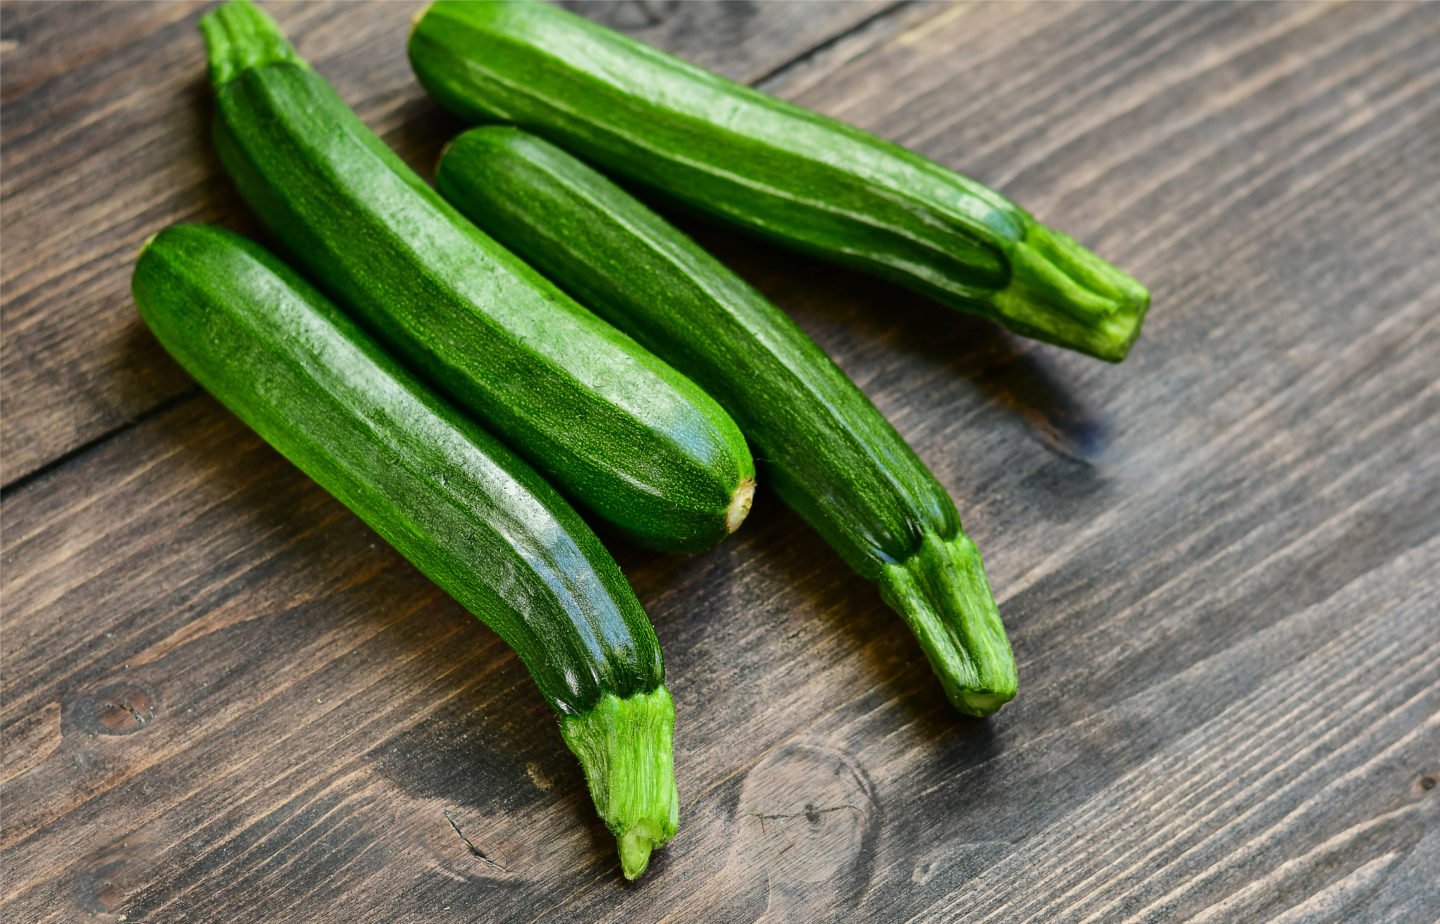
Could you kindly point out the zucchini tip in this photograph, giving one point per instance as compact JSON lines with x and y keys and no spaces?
{"x":943,"y":595}
{"x":740,"y":503}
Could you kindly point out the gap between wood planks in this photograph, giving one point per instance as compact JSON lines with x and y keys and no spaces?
{"x":58,"y":463}
{"x":169,"y":404}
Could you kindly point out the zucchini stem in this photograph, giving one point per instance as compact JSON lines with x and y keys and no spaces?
{"x":625,"y":747}
{"x":943,"y":595}
{"x":1062,"y":293}
{"x":238,"y":36}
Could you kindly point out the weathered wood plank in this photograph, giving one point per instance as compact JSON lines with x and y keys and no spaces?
{"x":106,"y":141}
{"x":1219,"y":563}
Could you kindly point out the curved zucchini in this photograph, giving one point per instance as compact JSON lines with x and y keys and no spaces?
{"x":825,"y":448}
{"x":611,"y":425}
{"x":469,"y":514}
{"x":773,"y":168}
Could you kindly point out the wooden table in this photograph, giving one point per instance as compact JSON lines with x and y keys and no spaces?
{"x":226,"y":700}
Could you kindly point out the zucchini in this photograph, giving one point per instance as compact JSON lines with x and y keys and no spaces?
{"x":614,"y":427}
{"x":824,"y":447}
{"x":468,"y":513}
{"x":778,"y":170}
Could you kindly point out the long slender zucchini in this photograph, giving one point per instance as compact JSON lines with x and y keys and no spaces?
{"x":469,"y":514}
{"x":612,"y":426}
{"x":824,"y":447}
{"x":773,"y":168}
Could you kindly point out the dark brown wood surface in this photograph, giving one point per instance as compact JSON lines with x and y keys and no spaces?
{"x":224,"y":699}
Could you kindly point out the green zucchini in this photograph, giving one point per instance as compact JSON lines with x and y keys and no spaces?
{"x":823,"y":446}
{"x":468,"y":513}
{"x":614,"y":427}
{"x":773,"y":168}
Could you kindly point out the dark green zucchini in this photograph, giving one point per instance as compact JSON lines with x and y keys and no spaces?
{"x":468,"y":513}
{"x":611,"y":425}
{"x":822,"y":445}
{"x":783,"y":172}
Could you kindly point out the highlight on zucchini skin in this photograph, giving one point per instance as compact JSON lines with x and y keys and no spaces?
{"x":775,"y":169}
{"x":823,"y":446}
{"x":612,"y":426}
{"x":461,"y":507}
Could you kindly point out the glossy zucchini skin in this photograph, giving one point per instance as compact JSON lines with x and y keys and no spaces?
{"x":461,"y":507}
{"x":611,"y":425}
{"x":822,"y":445}
{"x":775,"y":169}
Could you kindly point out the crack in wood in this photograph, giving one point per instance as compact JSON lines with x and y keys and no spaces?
{"x":474,"y":850}
{"x":810,"y":813}
{"x":134,"y":713}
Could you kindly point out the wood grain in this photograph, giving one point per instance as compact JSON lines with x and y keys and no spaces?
{"x":223,"y":698}
{"x":106,"y":140}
